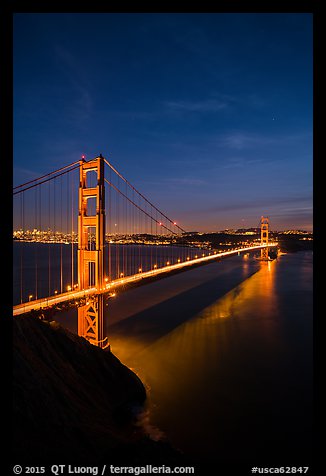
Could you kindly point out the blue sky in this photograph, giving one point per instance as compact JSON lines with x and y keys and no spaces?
{"x":208,"y":115}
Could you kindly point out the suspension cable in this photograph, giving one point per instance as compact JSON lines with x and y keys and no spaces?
{"x":137,"y":206}
{"x":75,"y":165}
{"x":47,"y":175}
{"x":43,"y":181}
{"x":131,"y":186}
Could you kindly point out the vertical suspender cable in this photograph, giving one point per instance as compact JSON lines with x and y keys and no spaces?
{"x":133,"y":235}
{"x":21,"y":244}
{"x":49,"y":249}
{"x":156,"y":238}
{"x":151,"y":239}
{"x":139,"y":232}
{"x":55,"y":277}
{"x":67,"y":209}
{"x":36,"y":245}
{"x":116,"y":236}
{"x":144,"y":254}
{"x":61,"y":230}
{"x":125,"y":233}
{"x":72,"y":233}
{"x":110,"y":208}
{"x":40,"y":215}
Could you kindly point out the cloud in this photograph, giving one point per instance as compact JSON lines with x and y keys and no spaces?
{"x":81,"y":103}
{"x":22,"y":174}
{"x":249,"y":212}
{"x":298,"y":212}
{"x":185,"y":181}
{"x":168,"y":108}
{"x":236,"y":162}
{"x":266,"y":204}
{"x":65,"y":58}
{"x":241,"y":140}
{"x":134,"y":114}
{"x":176,"y":182}
{"x":203,"y":106}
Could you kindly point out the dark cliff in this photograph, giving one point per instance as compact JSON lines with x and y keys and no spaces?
{"x":74,"y":402}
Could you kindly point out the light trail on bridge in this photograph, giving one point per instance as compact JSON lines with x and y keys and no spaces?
{"x":48,"y":302}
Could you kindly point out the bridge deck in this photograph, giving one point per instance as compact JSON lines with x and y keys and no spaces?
{"x":50,"y":301}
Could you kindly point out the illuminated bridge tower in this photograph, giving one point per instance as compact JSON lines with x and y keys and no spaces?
{"x":91,"y":252}
{"x":264,"y":224}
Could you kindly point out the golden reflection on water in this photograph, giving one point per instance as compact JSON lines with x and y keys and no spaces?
{"x":255,"y":292}
{"x":174,"y":363}
{"x":232,"y":366}
{"x":217,"y":351}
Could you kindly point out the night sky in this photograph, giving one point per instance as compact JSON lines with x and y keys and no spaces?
{"x":208,"y":115}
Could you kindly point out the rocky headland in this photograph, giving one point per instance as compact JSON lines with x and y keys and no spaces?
{"x":74,"y":402}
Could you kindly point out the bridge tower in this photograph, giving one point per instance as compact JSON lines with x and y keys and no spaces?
{"x":264,"y":225}
{"x":91,"y":252}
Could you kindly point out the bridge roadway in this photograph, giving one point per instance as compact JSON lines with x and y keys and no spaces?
{"x":50,"y":301}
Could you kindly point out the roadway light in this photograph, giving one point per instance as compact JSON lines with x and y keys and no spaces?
{"x":68,"y":288}
{"x":30,"y":297}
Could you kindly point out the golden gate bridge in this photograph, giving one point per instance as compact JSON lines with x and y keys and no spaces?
{"x":68,"y":207}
